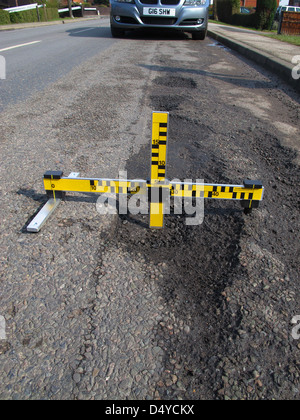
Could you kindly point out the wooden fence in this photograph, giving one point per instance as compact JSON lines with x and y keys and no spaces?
{"x":289,"y":23}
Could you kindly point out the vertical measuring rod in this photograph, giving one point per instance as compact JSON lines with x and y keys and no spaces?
{"x":159,"y":187}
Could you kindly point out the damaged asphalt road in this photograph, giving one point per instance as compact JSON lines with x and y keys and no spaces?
{"x":100,"y":307}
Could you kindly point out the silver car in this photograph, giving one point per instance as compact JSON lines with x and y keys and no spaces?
{"x":183,"y":15}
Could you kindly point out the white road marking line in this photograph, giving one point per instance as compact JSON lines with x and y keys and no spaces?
{"x":20,"y":45}
{"x":83,"y":30}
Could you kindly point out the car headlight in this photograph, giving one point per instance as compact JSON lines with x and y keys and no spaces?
{"x":125,"y":1}
{"x":194,"y":2}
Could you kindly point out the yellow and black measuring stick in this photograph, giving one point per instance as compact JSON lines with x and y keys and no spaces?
{"x":249,"y":194}
{"x":158,"y":188}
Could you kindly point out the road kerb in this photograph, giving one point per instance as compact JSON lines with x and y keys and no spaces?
{"x":277,"y":66}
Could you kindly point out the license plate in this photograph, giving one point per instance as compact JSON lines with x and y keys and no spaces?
{"x":159,"y":11}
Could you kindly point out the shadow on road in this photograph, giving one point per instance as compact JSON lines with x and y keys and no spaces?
{"x":239,"y":81}
{"x":90,"y":32}
{"x":139,"y":34}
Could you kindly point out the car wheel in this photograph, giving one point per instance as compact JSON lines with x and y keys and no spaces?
{"x":199,"y":36}
{"x":117,"y":33}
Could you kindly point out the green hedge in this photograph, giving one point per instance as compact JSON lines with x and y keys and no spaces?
{"x":25,"y":16}
{"x":265,"y":13}
{"x":227,"y":8}
{"x":247,"y":20}
{"x":31,"y":15}
{"x":4,"y":17}
{"x":228,"y":11}
{"x":51,"y":12}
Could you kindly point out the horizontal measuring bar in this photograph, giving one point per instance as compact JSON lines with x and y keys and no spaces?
{"x":94,"y":185}
{"x":216,"y":191}
{"x":252,"y":190}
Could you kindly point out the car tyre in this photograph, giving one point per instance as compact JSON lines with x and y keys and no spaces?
{"x":117,"y":33}
{"x":199,"y":36}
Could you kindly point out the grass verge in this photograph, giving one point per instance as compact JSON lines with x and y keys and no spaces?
{"x":291,"y":39}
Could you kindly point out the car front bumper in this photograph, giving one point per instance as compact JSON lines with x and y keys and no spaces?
{"x":187,"y":18}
